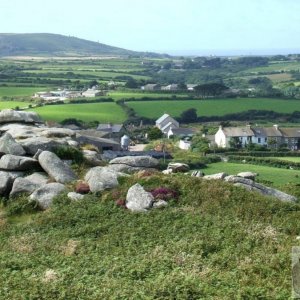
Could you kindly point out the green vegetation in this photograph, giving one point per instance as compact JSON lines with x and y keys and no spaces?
{"x":213,"y":107}
{"x":13,"y":104}
{"x":292,"y":159}
{"x":18,"y":91}
{"x":277,"y":176}
{"x":93,"y":249}
{"x":101,"y":112}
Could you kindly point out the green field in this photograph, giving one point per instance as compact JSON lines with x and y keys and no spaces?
{"x":292,"y":159}
{"x":278,"y":176}
{"x":12,"y":104}
{"x":101,"y":112}
{"x":219,"y":107}
{"x":18,"y":91}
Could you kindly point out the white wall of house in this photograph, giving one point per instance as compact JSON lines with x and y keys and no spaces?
{"x":220,"y":139}
{"x":260,"y":140}
{"x":184,"y":145}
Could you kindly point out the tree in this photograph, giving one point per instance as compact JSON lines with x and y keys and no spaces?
{"x":200,"y":144}
{"x":154,"y":133}
{"x":189,"y":116}
{"x":131,"y":83}
{"x":235,"y":143}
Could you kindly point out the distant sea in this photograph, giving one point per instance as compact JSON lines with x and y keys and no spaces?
{"x":230,"y":52}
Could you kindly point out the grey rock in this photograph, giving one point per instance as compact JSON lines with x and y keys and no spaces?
{"x":75,"y":196}
{"x":40,"y":178}
{"x":58,"y":132}
{"x":23,"y":186}
{"x":33,"y":144}
{"x":5,"y":183}
{"x":136,"y":161}
{"x":9,"y":116}
{"x":178,"y":167}
{"x":93,"y":158}
{"x":160,"y":204}
{"x":247,"y":175}
{"x":127,"y":169}
{"x":55,"y":167}
{"x":72,"y":143}
{"x":101,"y":178}
{"x":197,"y":174}
{"x":167,"y":172}
{"x":138,"y":200}
{"x":45,"y":194}
{"x":9,"y":146}
{"x":17,"y":163}
{"x":215,"y":176}
{"x":262,"y":189}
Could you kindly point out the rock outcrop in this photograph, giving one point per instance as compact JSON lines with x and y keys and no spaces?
{"x":138,"y":200}
{"x":8,"y":145}
{"x":131,"y":164}
{"x":55,"y":167}
{"x":11,"y":162}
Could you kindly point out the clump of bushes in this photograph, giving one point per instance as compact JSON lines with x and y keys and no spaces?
{"x":68,"y":152}
{"x":164,"y":193}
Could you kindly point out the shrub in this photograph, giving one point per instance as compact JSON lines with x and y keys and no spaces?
{"x":68,"y":152}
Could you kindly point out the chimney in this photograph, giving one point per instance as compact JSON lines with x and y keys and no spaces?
{"x":275,"y":126}
{"x":220,"y":127}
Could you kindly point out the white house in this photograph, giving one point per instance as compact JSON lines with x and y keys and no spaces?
{"x":224,"y":135}
{"x":165,"y":123}
{"x":91,"y":93}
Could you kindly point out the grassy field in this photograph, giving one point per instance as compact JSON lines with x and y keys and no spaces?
{"x":216,"y":241}
{"x":220,"y":107}
{"x":101,"y":112}
{"x":18,"y":91}
{"x":292,"y":159}
{"x":278,"y":176}
{"x":12,"y":104}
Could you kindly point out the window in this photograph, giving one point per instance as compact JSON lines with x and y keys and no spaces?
{"x":259,"y":140}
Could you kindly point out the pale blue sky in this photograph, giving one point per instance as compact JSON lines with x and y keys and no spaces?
{"x":163,"y":25}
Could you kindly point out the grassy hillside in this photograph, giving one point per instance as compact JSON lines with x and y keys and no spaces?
{"x":53,"y":44}
{"x":216,"y":241}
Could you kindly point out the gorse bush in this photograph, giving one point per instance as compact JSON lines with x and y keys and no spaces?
{"x":69,"y":153}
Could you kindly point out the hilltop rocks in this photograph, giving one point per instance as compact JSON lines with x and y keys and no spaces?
{"x":17,"y":163}
{"x":138,"y":200}
{"x":75,"y":196}
{"x":23,"y":186}
{"x":5,"y":182}
{"x":247,"y":175}
{"x":10,"y":115}
{"x":9,"y":146}
{"x":93,"y":158}
{"x":55,"y":167}
{"x":45,"y":194}
{"x":178,"y":167}
{"x":130,"y":164}
{"x":217,"y":176}
{"x":101,"y":178}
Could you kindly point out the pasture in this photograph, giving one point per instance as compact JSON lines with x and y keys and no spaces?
{"x":18,"y":91}
{"x":277,"y":176}
{"x":12,"y":104}
{"x":101,"y":112}
{"x":212,"y":107}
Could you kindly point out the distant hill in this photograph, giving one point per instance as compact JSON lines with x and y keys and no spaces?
{"x":47,"y":44}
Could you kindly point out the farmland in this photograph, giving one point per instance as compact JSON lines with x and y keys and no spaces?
{"x":12,"y":104}
{"x":101,"y":112}
{"x":216,"y":107}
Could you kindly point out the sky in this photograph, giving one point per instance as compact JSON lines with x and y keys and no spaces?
{"x":169,"y":26}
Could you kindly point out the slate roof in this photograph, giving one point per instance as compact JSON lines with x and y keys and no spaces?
{"x":267,"y":131}
{"x":238,"y":131}
{"x":290,"y":132}
{"x":113,"y":128}
{"x":162,"y":118}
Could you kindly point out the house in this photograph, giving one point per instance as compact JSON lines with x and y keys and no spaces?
{"x":180,"y":132}
{"x":190,"y":87}
{"x":170,"y":87}
{"x":151,"y":87}
{"x":240,"y":135}
{"x":91,"y":93}
{"x":291,"y":138}
{"x":272,"y":137}
{"x":112,"y":130}
{"x":165,"y":122}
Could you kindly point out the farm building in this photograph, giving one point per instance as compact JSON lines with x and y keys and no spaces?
{"x":165,"y":123}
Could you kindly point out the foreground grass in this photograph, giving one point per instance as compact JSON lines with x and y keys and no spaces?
{"x":101,"y":112}
{"x":213,"y":107}
{"x":277,"y":176}
{"x":216,"y":242}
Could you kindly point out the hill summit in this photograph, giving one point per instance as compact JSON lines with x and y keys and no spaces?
{"x":48,"y":44}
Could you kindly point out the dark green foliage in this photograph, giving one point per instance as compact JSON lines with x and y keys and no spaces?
{"x":69,"y":153}
{"x":189,"y":116}
{"x":154,"y":133}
